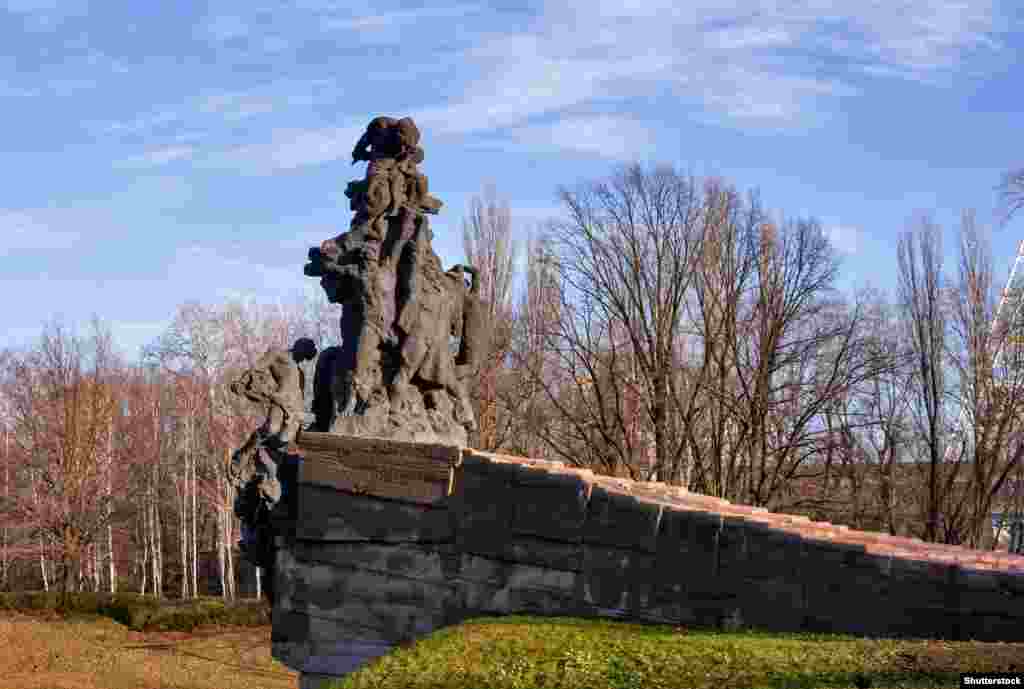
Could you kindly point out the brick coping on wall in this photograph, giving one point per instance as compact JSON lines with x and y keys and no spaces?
{"x":872,"y":542}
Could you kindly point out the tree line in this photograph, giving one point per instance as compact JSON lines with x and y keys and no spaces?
{"x":663,"y":328}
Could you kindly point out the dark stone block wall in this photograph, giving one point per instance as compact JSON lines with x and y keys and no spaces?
{"x":383,"y":542}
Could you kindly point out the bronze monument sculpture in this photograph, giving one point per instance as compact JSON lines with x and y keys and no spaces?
{"x":394,"y":375}
{"x":397,"y":374}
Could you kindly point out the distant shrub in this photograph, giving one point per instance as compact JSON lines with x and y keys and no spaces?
{"x":187,"y":615}
{"x":141,"y":612}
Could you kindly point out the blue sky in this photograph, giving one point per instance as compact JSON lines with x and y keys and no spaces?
{"x":160,"y":152}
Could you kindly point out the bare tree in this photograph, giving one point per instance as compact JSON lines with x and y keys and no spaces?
{"x":143,"y":436}
{"x":521,"y":392}
{"x":990,"y":368}
{"x":884,"y":406}
{"x":625,"y":259}
{"x":1011,"y":192}
{"x":5,"y":448}
{"x":723,"y":276}
{"x":858,"y":482}
{"x":799,"y":349}
{"x":191,"y":351}
{"x":62,"y":405}
{"x":487,"y":240}
{"x":919,"y":254}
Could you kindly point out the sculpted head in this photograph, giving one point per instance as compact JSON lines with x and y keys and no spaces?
{"x":304,"y":349}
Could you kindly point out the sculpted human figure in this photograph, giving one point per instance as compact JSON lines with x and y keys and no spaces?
{"x":350,"y":275}
{"x":472,"y":343}
{"x":276,"y":381}
{"x":394,"y":373}
{"x":381,"y":146}
{"x":391,"y":146}
{"x":426,"y":355}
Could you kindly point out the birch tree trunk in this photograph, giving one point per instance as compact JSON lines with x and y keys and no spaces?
{"x":221,"y":564}
{"x":224,"y":533}
{"x":195,"y":515}
{"x":4,"y":558}
{"x":153,"y":510}
{"x":225,"y":512}
{"x":228,"y":556}
{"x":144,"y":537}
{"x":158,"y":551}
{"x":184,"y":535}
{"x":186,"y":569}
{"x":42,"y":566}
{"x":112,"y":573}
{"x":42,"y":549}
{"x":110,"y":553}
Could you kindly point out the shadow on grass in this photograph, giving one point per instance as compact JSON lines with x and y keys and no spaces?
{"x":884,"y":679}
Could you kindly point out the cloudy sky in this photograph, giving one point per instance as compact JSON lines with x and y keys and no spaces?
{"x":161,"y":152}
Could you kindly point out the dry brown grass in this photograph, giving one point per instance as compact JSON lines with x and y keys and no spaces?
{"x":53,"y":653}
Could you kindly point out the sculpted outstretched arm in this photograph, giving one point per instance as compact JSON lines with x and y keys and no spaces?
{"x":361,"y":150}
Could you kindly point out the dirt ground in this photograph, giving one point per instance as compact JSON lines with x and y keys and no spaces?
{"x":52,"y":653}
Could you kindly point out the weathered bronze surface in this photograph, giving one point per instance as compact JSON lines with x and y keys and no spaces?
{"x":394,"y":374}
{"x":276,"y":383}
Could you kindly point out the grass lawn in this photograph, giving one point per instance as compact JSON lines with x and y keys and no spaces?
{"x":525,"y":653}
{"x":49,"y":652}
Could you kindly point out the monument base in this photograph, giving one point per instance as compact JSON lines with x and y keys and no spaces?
{"x":387,"y":542}
{"x":425,"y":427}
{"x":309,"y":680}
{"x":355,"y":541}
{"x":333,"y":662}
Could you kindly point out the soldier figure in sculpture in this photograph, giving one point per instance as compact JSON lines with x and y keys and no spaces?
{"x":276,"y":381}
{"x":427,"y":357}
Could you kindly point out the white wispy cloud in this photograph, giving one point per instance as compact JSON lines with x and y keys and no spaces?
{"x":143,"y":124}
{"x":275,"y":96}
{"x":199,"y":128}
{"x":225,"y":27}
{"x":845,"y":239}
{"x":294,"y":21}
{"x":768,"y":66}
{"x":29,"y":6}
{"x":9,"y":91}
{"x":775,"y":63}
{"x":622,"y":138}
{"x":304,"y":239}
{"x":228,"y":276}
{"x":159,"y":156}
{"x":292,"y":148}
{"x":44,"y":15}
{"x":25,"y":230}
{"x":537,"y":82}
{"x":394,"y":20}
{"x":218,"y":107}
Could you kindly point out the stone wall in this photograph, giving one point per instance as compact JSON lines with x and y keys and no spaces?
{"x":382,"y":542}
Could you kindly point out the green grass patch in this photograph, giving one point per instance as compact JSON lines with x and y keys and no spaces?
{"x":141,"y":613}
{"x":560,"y":653}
